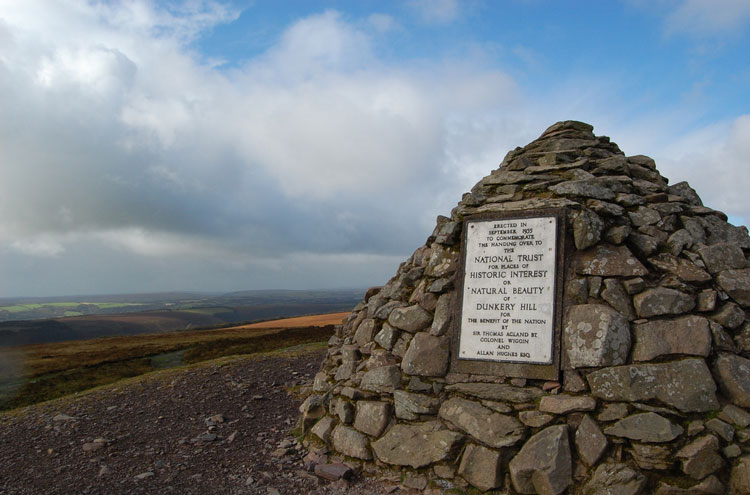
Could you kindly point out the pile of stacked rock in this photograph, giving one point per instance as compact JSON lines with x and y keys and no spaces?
{"x":655,"y":376}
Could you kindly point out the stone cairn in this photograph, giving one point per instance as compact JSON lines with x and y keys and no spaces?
{"x":655,"y":376}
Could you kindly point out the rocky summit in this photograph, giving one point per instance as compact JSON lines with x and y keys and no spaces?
{"x":652,"y":341}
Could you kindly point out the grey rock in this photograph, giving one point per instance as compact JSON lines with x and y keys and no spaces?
{"x":634,"y":285}
{"x":384,"y":311}
{"x":645,"y":427}
{"x":543,"y":465}
{"x":644,"y":216}
{"x":410,"y":405}
{"x":427,"y":355}
{"x":695,"y":227}
{"x":595,"y":335}
{"x":701,"y":457}
{"x":442,"y":315}
{"x":643,"y":244}
{"x":588,"y":188}
{"x":706,"y":300}
{"x":688,"y":335}
{"x":372,"y":417}
{"x":387,"y":337}
{"x":496,"y":391}
{"x":652,"y":456}
{"x":323,"y":428}
{"x":590,"y":442}
{"x":365,"y":332}
{"x":535,"y":419}
{"x":724,"y":430}
{"x":564,"y":404}
{"x":587,"y":229}
{"x":615,"y":479}
{"x":333,"y":472}
{"x":662,"y":301}
{"x":612,"y":412}
{"x":344,"y":410}
{"x":718,"y":230}
{"x":688,"y":193}
{"x":733,"y":376}
{"x":686,"y":384}
{"x":731,"y":451}
{"x":737,"y":284}
{"x":573,"y":382}
{"x":383,"y":379}
{"x":742,"y":339}
{"x":740,"y":477}
{"x":345,"y":371}
{"x":605,"y":208}
{"x":615,"y":295}
{"x":722,"y":342}
{"x":402,"y":344}
{"x":350,"y":353}
{"x":494,"y":429}
{"x":417,"y":445}
{"x":643,"y":161}
{"x":350,"y":442}
{"x":684,"y":269}
{"x":730,"y":316}
{"x":733,"y":414}
{"x":320,"y":382}
{"x":722,"y":256}
{"x":709,"y":486}
{"x":482,"y":467}
{"x":629,"y":200}
{"x":678,"y":241}
{"x":411,"y":318}
{"x":608,"y":261}
{"x":617,"y":233}
{"x":144,"y":475}
{"x":577,"y":289}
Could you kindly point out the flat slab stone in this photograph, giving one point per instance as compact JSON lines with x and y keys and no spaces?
{"x":383,"y":379}
{"x":543,"y":465}
{"x":496,"y":391}
{"x":409,"y":405}
{"x":564,"y":404}
{"x":417,"y":445}
{"x":372,"y":417}
{"x":606,"y":260}
{"x":427,"y":355}
{"x":590,"y":441}
{"x":662,"y":301}
{"x":686,"y":384}
{"x":411,"y":318}
{"x":686,"y":335}
{"x":494,"y":429}
{"x":701,"y":457}
{"x":645,"y":427}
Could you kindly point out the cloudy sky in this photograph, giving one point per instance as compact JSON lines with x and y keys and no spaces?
{"x":211,"y":145}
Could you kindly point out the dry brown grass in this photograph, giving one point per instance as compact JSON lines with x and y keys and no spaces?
{"x":300,"y":321}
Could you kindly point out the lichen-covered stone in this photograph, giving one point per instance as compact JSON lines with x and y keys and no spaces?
{"x":645,"y":427}
{"x":685,"y":270}
{"x":494,"y":429}
{"x":386,"y":337}
{"x":482,"y":467}
{"x":587,"y":229}
{"x":411,"y":318}
{"x":350,"y":442}
{"x":417,"y":445}
{"x":615,"y":479}
{"x":615,"y":295}
{"x":323,"y":428}
{"x":688,"y":335}
{"x":686,"y":384}
{"x":662,"y":301}
{"x":543,"y":465}
{"x":733,"y":375}
{"x":608,"y":261}
{"x":383,"y":379}
{"x":365,"y":332}
{"x":652,"y":456}
{"x":722,"y":256}
{"x":729,"y":315}
{"x":427,"y":355}
{"x":496,"y":391}
{"x":442,"y":316}
{"x":595,"y":335}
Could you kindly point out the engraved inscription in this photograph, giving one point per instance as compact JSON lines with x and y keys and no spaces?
{"x":507,"y":314}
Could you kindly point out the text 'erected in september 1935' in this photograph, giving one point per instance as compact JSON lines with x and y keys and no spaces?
{"x":507,"y":313}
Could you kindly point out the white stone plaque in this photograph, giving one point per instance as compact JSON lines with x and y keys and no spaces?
{"x":507,"y":314}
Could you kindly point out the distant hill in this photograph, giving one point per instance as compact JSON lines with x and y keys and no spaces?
{"x":133,"y":314}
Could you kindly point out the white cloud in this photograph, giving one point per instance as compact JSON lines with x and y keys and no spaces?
{"x":708,"y":16}
{"x":436,"y":11}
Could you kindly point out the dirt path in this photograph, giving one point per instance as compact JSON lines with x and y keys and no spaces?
{"x":213,"y":429}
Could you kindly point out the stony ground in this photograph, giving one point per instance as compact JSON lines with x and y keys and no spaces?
{"x":222,"y":428}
